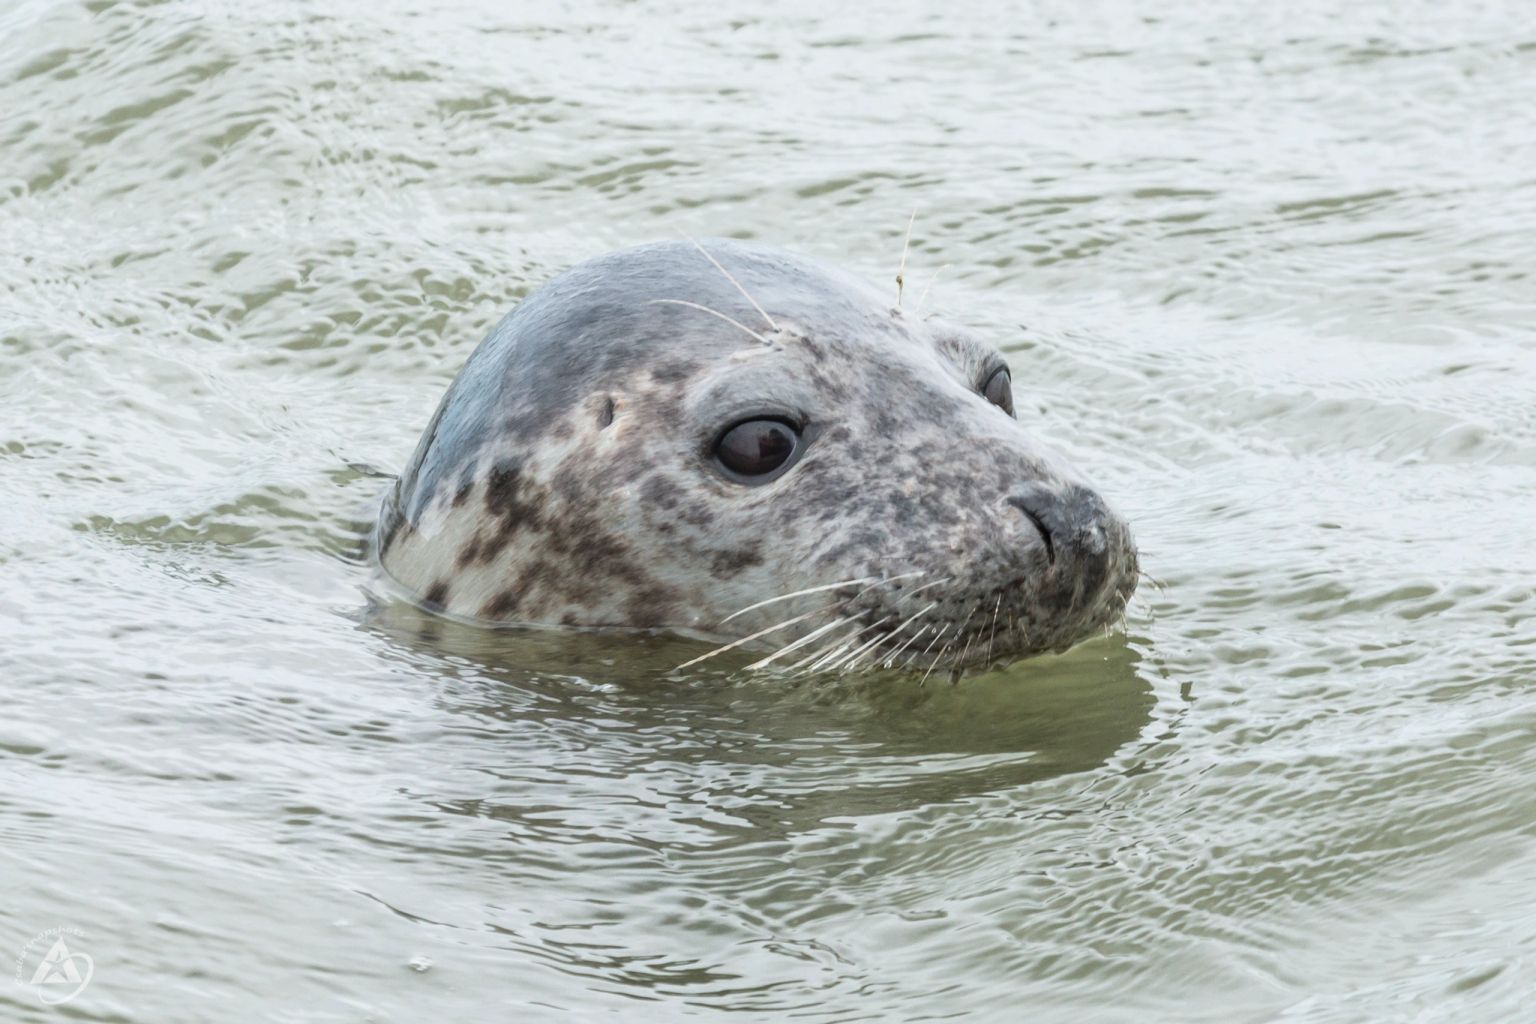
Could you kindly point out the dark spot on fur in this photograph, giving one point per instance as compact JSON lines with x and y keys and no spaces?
{"x":605,"y":414}
{"x":436,"y":597}
{"x":506,"y":500}
{"x":470,"y":553}
{"x":659,"y":492}
{"x":650,"y":607}
{"x":728,"y":563}
{"x":503,"y":604}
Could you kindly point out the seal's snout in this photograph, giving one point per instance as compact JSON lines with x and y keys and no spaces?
{"x":1085,"y":542}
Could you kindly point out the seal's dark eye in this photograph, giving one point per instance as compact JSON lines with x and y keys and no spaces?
{"x":999,"y":390}
{"x":751,"y":452}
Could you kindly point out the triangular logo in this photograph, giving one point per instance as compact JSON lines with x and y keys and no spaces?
{"x":57,"y":968}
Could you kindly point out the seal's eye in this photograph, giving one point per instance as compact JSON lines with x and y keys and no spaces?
{"x":753,"y":452}
{"x":999,"y":390}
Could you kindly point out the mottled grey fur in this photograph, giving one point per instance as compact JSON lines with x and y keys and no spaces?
{"x":568,"y":476}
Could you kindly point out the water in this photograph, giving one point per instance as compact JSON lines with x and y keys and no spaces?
{"x":1264,"y":272}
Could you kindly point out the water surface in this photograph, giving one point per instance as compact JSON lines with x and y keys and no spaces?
{"x":1263,"y":272}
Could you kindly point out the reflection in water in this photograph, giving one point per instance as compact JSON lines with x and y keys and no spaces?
{"x":704,"y":836}
{"x":781,"y":755}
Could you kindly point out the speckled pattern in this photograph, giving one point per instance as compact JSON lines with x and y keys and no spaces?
{"x":568,"y":475}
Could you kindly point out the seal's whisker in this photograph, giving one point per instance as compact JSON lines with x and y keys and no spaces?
{"x":796,"y":645}
{"x":850,"y":638}
{"x":907,"y":622}
{"x":918,"y":654}
{"x":995,"y":609}
{"x":746,"y":294}
{"x":906,"y":243}
{"x":970,"y":639}
{"x":815,"y":658}
{"x":925,"y":586}
{"x":711,"y":312}
{"x":815,"y":662}
{"x":891,"y":658}
{"x":887,"y":579}
{"x":885,"y":637}
{"x":936,"y":657}
{"x":847,"y":664}
{"x":797,"y":593}
{"x":737,"y":643}
{"x":917,"y":309}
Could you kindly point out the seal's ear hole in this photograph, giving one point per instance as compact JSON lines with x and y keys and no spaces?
{"x":999,"y":390}
{"x":756,"y":451}
{"x":605,"y":413}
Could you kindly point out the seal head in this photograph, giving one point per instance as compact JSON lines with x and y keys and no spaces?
{"x":733,"y":440}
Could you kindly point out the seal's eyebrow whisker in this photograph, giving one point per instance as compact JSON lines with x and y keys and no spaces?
{"x":712,"y":312}
{"x":917,"y":309}
{"x":797,"y":593}
{"x":905,"y":244}
{"x":728,"y":277}
{"x":737,"y":643}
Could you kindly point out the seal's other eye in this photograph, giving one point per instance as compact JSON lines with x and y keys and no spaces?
{"x":999,"y":390}
{"x":754,"y":451}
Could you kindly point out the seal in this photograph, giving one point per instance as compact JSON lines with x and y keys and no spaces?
{"x":731,"y":441}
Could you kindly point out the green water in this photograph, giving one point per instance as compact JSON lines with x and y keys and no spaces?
{"x":1263,"y":271}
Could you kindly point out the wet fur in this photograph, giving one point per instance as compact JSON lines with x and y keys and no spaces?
{"x":567,"y":476}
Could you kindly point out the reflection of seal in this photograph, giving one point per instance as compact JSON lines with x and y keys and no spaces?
{"x":761,"y":449}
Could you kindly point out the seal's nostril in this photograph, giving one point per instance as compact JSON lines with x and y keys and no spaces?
{"x":1045,"y":531}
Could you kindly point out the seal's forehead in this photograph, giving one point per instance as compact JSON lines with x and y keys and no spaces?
{"x":720,"y":274}
{"x":673,"y":310}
